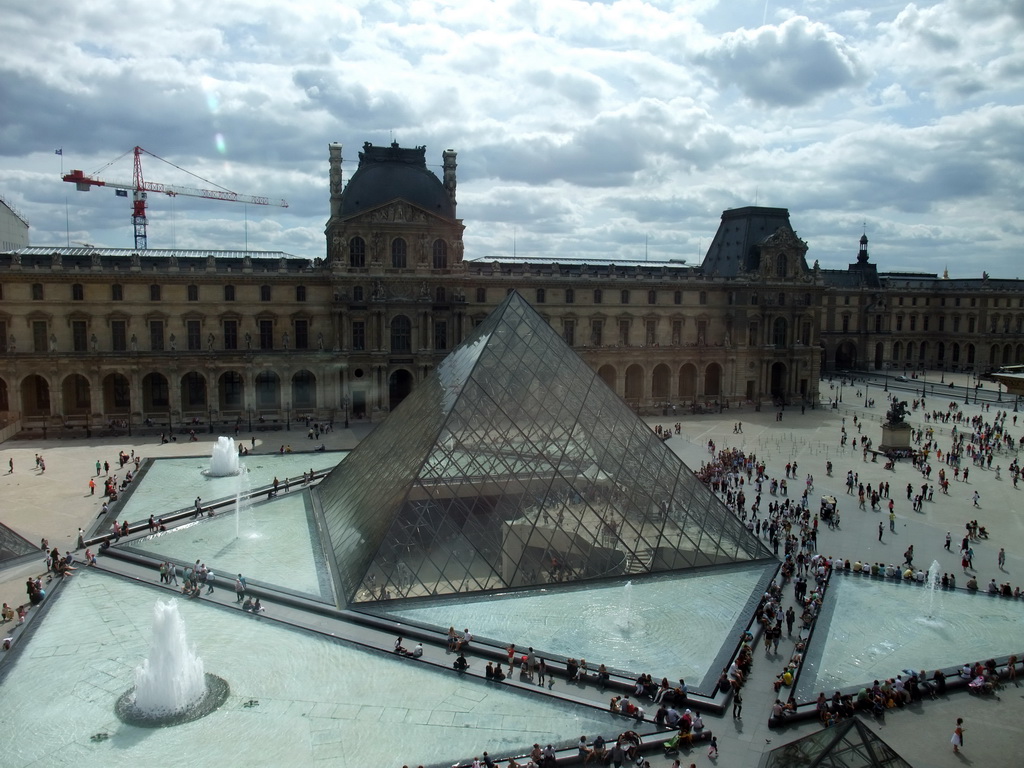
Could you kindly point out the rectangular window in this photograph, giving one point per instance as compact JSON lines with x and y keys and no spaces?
{"x":39,"y":336}
{"x":266,"y":329}
{"x":623,"y":333}
{"x":79,"y":337}
{"x":899,"y":323}
{"x":156,"y":335}
{"x":805,"y":334}
{"x":158,"y":392}
{"x":702,"y":332}
{"x":971,"y":324}
{"x":77,"y":292}
{"x":117,"y":292}
{"x":677,"y":333}
{"x":192,"y":292}
{"x":229,"y":293}
{"x":193,"y":335}
{"x":956,"y":325}
{"x":3,"y":337}
{"x":37,"y":291}
{"x":942,"y":324}
{"x":569,"y":332}
{"x":300,"y":293}
{"x":651,"y":331}
{"x":358,"y":335}
{"x":846,"y":323}
{"x":913,"y":322}
{"x":302,"y":334}
{"x":624,"y":296}
{"x":230,"y":334}
{"x":441,"y":334}
{"x":752,"y":335}
{"x":481,"y":295}
{"x":878,"y":323}
{"x":924,"y":323}
{"x":119,"y":335}
{"x":596,"y":333}
{"x":154,"y":293}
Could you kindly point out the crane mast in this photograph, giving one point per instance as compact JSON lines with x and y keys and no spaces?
{"x":140,"y":188}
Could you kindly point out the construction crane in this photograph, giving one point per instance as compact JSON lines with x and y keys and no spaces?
{"x":140,"y":188}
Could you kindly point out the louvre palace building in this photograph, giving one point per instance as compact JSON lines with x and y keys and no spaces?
{"x":116,"y":339}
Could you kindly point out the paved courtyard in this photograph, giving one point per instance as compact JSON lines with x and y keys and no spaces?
{"x":55,"y":503}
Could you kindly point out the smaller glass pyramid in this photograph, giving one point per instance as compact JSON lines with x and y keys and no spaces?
{"x":514,"y":465}
{"x":850,"y":744}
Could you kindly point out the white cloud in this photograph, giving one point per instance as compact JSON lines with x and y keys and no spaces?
{"x":789,"y":65}
{"x":581,"y":126}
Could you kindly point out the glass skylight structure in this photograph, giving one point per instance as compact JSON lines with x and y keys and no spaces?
{"x":515,"y":466}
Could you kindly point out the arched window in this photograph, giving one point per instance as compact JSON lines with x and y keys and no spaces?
{"x":440,"y":254}
{"x":401,"y":334}
{"x":481,"y":295}
{"x":624,"y":296}
{"x":357,"y":253}
{"x":398,"y":253}
{"x":541,"y":295}
{"x":652,"y":297}
{"x":570,"y":295}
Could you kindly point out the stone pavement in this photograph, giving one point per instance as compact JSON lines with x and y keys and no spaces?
{"x":55,"y":503}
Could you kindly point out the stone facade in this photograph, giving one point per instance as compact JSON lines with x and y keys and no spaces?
{"x":112,"y":339}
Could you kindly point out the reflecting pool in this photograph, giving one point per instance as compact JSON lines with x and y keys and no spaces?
{"x":272,"y":542}
{"x":870,"y":629}
{"x":296,"y":698}
{"x":670,"y":626}
{"x":173,"y":484}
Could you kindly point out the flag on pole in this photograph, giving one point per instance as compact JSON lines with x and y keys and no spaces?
{"x":59,"y":151}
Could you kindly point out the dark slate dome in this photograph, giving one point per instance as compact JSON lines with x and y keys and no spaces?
{"x":386,"y":173}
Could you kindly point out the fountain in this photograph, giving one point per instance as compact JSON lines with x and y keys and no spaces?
{"x":625,"y":617}
{"x":171,"y":686}
{"x":933,"y":585}
{"x":224,"y":460}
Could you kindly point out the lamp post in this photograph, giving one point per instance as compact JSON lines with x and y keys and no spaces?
{"x":840,"y":390}
{"x":885,"y":376}
{"x":288,"y":416}
{"x":344,"y":402}
{"x":866,"y":385}
{"x":249,"y":412}
{"x":209,"y":416}
{"x":999,"y":389}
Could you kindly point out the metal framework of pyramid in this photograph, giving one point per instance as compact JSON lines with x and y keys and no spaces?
{"x":850,"y":744}
{"x":515,"y":466}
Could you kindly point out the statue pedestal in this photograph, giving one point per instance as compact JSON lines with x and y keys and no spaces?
{"x":895,"y":437}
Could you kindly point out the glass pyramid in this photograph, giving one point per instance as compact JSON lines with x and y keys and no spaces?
{"x":514,"y":465}
{"x":850,"y":744}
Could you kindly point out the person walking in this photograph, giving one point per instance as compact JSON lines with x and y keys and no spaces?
{"x":737,"y":705}
{"x":1002,"y":558}
{"x":892,"y":521}
{"x":239,"y":589}
{"x":977,"y":496}
{"x":949,"y":539}
{"x":881,"y":528}
{"x":209,"y":582}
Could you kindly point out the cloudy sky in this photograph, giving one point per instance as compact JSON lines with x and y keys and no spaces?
{"x":593,"y":129}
